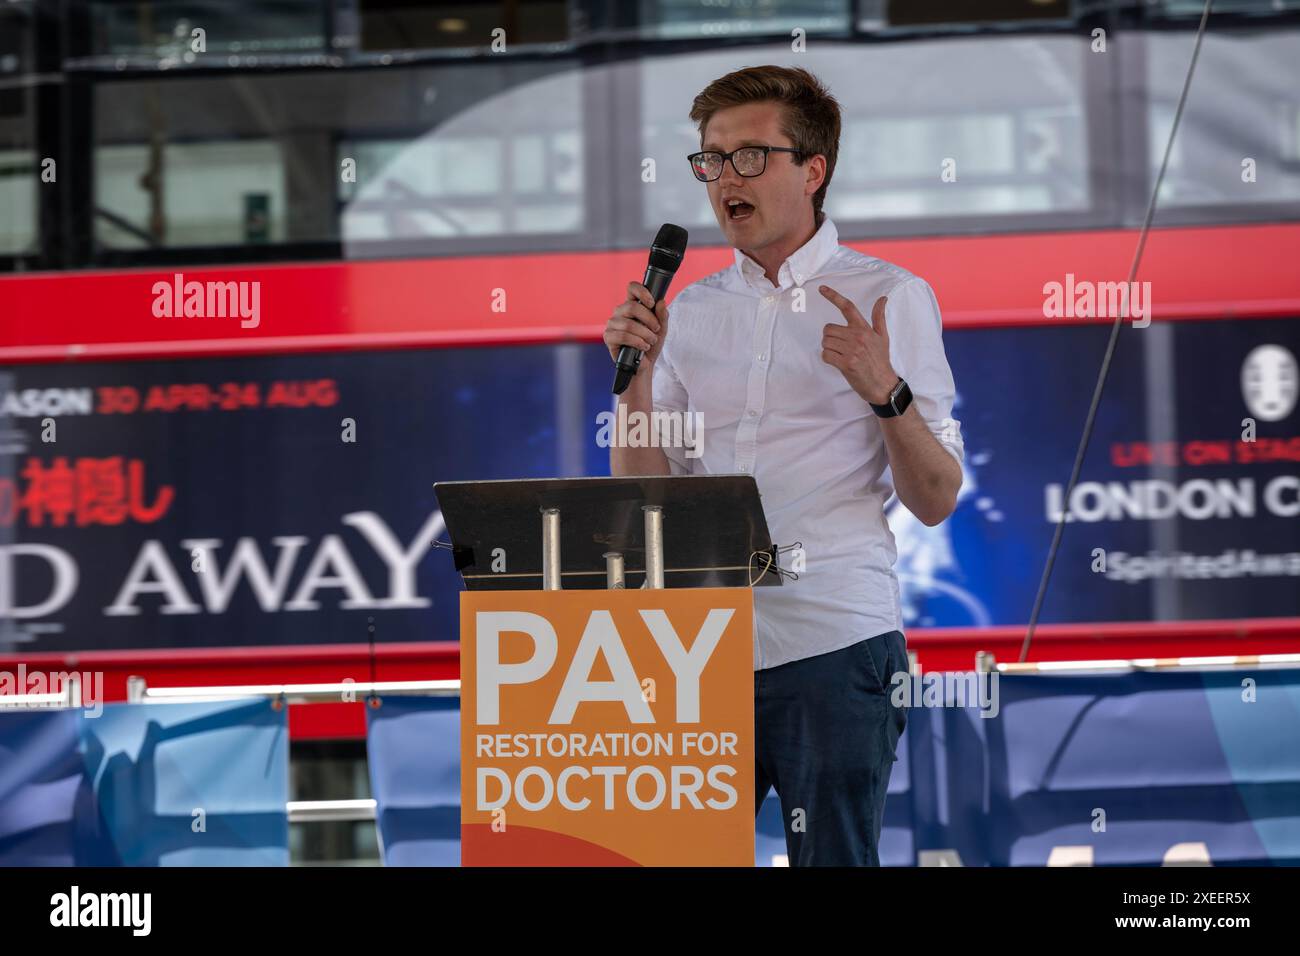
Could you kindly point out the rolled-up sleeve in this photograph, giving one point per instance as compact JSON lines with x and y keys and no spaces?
{"x":916,"y":351}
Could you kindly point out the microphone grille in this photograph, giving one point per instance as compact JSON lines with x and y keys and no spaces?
{"x":669,"y":247}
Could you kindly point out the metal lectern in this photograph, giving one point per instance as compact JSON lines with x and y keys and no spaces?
{"x":682,"y":531}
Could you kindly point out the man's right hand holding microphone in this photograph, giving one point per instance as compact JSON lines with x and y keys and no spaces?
{"x":634,"y":322}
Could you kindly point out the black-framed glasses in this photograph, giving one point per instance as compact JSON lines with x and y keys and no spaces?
{"x":749,"y":161}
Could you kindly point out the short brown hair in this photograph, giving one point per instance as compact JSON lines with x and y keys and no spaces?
{"x":810,"y":115}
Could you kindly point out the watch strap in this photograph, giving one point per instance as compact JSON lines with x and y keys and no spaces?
{"x":900,"y":396}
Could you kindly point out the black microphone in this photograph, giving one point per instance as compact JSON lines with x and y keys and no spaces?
{"x":665,"y":256}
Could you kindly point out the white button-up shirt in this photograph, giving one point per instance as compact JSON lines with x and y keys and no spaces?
{"x":746,"y":356}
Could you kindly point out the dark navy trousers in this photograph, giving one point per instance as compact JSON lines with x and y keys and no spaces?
{"x":827,"y":737}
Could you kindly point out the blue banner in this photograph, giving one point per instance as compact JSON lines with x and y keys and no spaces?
{"x":1136,"y":769}
{"x":413,"y":747}
{"x":195,"y":784}
{"x":1128,"y":769}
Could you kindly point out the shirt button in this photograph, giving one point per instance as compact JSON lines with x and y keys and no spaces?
{"x":744,"y":468}
{"x":762,"y":356}
{"x":799,"y":276}
{"x":751,"y":413}
{"x":768,"y":298}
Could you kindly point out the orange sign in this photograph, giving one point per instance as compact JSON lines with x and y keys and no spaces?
{"x":607,"y":728}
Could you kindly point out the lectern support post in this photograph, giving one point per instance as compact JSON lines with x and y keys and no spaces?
{"x":550,"y":549}
{"x":654,"y":546}
{"x":614,"y":570}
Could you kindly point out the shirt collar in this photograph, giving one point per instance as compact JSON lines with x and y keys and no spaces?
{"x":802,"y":265}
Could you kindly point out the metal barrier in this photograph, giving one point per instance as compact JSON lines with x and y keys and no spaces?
{"x":1226,"y":662}
{"x":302,"y":811}
{"x":347,"y":692}
{"x":330,"y":811}
{"x":67,"y":698}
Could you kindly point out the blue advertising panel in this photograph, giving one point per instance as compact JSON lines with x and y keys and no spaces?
{"x":1188,"y":502}
{"x":252,"y":501}
{"x":285,"y":500}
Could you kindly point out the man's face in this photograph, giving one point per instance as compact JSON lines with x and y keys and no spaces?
{"x":778,"y":200}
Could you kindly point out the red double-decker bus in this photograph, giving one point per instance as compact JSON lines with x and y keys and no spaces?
{"x":408,"y":220}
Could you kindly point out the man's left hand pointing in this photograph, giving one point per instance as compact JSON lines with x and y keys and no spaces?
{"x":860,"y":351}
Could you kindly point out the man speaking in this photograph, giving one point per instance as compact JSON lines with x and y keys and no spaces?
{"x":821,"y":372}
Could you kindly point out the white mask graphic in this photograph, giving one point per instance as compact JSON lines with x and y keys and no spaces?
{"x":1269,"y":382}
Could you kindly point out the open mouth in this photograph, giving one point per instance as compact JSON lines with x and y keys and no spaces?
{"x":737,"y":210}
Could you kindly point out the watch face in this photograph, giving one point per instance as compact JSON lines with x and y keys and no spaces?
{"x":901,"y":398}
{"x":891,"y":406}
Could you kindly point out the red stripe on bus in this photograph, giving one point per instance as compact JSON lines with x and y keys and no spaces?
{"x":982,"y":281}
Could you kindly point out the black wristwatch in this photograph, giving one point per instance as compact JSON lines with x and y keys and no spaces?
{"x":900,"y":396}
